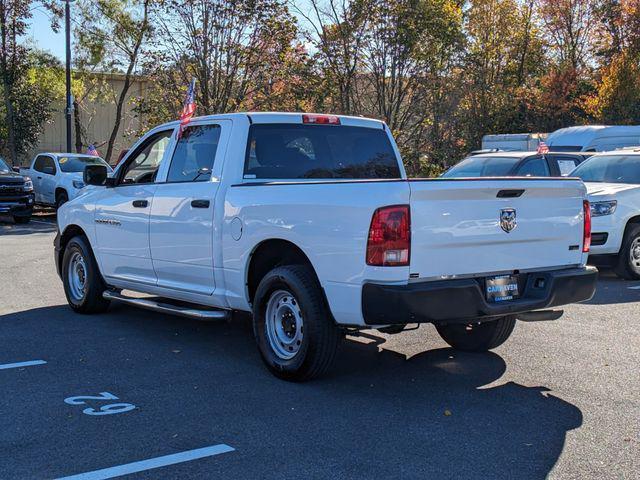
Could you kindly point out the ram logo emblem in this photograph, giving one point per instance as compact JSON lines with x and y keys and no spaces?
{"x":508,"y":219}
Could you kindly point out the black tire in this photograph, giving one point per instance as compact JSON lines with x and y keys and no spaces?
{"x":478,"y":337}
{"x":91,"y":300}
{"x":61,"y":199}
{"x":317,"y":347}
{"x":627,"y":264}
{"x":22,"y":220}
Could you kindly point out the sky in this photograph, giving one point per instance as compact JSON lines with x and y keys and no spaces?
{"x":41,"y":34}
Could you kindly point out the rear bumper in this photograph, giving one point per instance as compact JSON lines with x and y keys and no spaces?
{"x":458,"y":301}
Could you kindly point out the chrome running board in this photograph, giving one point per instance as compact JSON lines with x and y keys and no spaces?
{"x":156,"y":306}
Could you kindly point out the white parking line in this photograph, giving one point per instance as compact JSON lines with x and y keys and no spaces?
{"x":30,"y":363}
{"x":637,"y":287}
{"x":152,"y":463}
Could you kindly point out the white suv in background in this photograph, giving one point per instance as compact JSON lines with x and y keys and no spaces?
{"x":57,"y":177}
{"x":613,"y":186}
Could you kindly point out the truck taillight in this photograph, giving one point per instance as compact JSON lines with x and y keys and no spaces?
{"x":389,"y":243}
{"x":321,"y":119}
{"x":586,"y":238}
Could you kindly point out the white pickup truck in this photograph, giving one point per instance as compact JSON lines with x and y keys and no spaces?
{"x":309,"y":222}
{"x":57,"y":177}
{"x":613,"y":184}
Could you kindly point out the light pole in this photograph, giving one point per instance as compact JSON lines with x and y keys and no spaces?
{"x":69,"y":110}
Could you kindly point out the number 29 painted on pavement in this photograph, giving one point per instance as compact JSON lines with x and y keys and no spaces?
{"x":109,"y":409}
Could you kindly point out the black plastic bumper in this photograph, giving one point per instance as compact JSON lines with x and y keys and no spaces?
{"x":17,"y":206}
{"x":458,"y":301}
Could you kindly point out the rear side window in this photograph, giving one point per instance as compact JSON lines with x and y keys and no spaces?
{"x":288,"y":151}
{"x":534,"y":167}
{"x":194,"y":155}
{"x":566,"y":165}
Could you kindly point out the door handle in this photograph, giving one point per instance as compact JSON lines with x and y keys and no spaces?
{"x":140,"y":203}
{"x":200,"y":203}
{"x":39,"y":178}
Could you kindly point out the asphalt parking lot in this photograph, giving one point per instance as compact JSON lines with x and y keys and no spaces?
{"x":189,"y":399}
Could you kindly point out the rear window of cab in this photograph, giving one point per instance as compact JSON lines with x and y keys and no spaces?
{"x":293,"y":151}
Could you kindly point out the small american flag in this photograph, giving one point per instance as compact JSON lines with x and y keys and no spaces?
{"x":189,"y":107}
{"x":92,"y":151}
{"x":542,"y":148}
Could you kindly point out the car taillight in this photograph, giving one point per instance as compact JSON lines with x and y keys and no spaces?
{"x":389,"y":243}
{"x":586,"y":239}
{"x":321,"y":119}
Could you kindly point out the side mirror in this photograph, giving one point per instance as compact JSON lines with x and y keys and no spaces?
{"x":95,"y":175}
{"x":49,"y":170}
{"x":16,"y":169}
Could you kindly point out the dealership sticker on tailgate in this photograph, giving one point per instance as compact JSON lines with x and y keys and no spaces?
{"x":502,"y":288}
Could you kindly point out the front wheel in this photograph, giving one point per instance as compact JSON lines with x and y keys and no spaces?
{"x":61,"y":199}
{"x":628,"y":264}
{"x":83,"y":285}
{"x":296,"y":335}
{"x":478,"y":337}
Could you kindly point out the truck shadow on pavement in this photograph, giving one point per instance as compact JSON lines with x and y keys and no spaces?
{"x":613,"y":290}
{"x":378,"y":414}
{"x":37,"y":225}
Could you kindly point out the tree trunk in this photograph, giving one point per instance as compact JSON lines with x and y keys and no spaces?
{"x":127,"y":83}
{"x":77,"y":126}
{"x":7,"y":87}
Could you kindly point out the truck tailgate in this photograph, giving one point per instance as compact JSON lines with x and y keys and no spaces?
{"x":470,"y":227}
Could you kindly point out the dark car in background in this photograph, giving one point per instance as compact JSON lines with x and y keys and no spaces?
{"x":517,"y":164}
{"x":16,"y":194}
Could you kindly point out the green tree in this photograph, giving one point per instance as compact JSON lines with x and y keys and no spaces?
{"x":112,"y":36}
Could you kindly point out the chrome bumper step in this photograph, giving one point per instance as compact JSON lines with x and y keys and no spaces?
{"x":157,"y":306}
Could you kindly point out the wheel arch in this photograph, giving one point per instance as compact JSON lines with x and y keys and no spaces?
{"x":68,"y":233}
{"x":60,"y":190}
{"x":269,"y":254}
{"x":635,"y":220}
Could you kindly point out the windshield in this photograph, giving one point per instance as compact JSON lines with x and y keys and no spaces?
{"x":77,"y":164}
{"x":3,"y":166}
{"x":610,"y":169}
{"x":482,"y":167}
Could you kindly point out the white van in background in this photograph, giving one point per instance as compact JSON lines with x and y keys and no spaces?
{"x":593,"y":138}
{"x":513,"y":142}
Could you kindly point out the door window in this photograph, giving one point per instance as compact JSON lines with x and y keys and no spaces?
{"x":45,"y":164}
{"x":534,"y":167}
{"x":143,"y":164}
{"x":195,"y":154}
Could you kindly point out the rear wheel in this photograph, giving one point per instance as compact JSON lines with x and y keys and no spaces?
{"x":296,"y":335}
{"x":628,"y":263}
{"x":83,"y":285}
{"x":474,"y":337}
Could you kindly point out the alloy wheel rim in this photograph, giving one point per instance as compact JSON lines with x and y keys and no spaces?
{"x":284,"y":324}
{"x":77,"y":276}
{"x":634,"y":254}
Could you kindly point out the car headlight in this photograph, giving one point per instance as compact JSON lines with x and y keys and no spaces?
{"x":599,"y":209}
{"x":78,"y":184}
{"x":28,"y":185}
